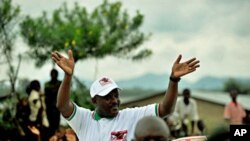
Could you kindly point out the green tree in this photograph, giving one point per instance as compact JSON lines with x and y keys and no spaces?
{"x":8,"y":21}
{"x":106,"y":31}
{"x":232,"y":84}
{"x":241,"y":85}
{"x":9,"y":17}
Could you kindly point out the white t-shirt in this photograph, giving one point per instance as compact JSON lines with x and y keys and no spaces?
{"x":187,"y":111}
{"x":90,"y":127}
{"x":35,"y":104}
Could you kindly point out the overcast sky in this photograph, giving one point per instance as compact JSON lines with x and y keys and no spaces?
{"x":215,"y":31}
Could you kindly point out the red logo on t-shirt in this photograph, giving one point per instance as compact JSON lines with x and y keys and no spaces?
{"x":119,"y":135}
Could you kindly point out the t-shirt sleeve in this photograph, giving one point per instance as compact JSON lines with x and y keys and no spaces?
{"x":75,"y":120}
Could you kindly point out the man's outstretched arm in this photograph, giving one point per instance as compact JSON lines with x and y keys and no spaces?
{"x":64,"y":104}
{"x":178,"y":70}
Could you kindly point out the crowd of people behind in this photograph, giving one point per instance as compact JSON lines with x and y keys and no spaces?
{"x":40,"y":119}
{"x":38,"y":116}
{"x":39,"y":113}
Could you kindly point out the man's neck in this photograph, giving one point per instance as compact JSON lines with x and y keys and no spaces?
{"x":98,"y":116}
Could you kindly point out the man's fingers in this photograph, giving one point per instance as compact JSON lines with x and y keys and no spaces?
{"x":55,"y":60}
{"x":193,"y":68}
{"x":177,"y":61}
{"x":190,"y":60}
{"x":56,"y":56}
{"x":196,"y":66}
{"x":194,"y":63}
{"x":70,"y":54}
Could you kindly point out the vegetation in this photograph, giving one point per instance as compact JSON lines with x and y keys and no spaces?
{"x":8,"y":20}
{"x":9,"y":16}
{"x":105,"y":31}
{"x":240,"y":85}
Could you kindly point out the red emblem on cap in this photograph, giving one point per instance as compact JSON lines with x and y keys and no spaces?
{"x":105,"y":81}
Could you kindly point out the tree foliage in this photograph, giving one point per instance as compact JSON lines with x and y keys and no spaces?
{"x":240,"y":85}
{"x":107,"y":30}
{"x":8,"y":21}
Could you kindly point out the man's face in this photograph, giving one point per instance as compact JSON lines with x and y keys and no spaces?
{"x":54,"y":75}
{"x":186,"y":95}
{"x":108,"y":106}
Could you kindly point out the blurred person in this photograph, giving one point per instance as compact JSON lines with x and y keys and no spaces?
{"x":63,"y":134}
{"x":202,"y":127}
{"x":70,"y":135}
{"x":59,"y":135}
{"x":151,"y":128}
{"x":50,"y":91}
{"x":107,"y":122}
{"x":22,"y":117}
{"x":186,"y":108}
{"x":38,"y":116}
{"x":35,"y":131}
{"x":174,"y":123}
{"x":233,"y":111}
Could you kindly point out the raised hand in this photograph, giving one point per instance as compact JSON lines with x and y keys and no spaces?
{"x":66,"y":64}
{"x":180,"y":69}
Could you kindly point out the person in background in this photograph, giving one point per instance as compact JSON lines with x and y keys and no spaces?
{"x":151,"y":128}
{"x":64,"y":134}
{"x":35,"y":131}
{"x":22,"y":116}
{"x":174,"y":123}
{"x":70,"y":135}
{"x":186,"y":108}
{"x":233,"y":111}
{"x":50,"y":91}
{"x":38,"y":116}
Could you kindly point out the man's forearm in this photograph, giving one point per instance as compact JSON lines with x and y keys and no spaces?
{"x":168,"y":103}
{"x":63,"y":97}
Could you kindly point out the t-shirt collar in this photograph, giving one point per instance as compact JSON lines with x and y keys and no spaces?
{"x":97,"y":117}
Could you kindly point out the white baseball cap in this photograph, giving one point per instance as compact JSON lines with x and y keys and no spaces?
{"x":102,"y":86}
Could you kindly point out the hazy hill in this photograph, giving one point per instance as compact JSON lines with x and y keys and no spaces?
{"x":209,"y":83}
{"x":152,"y":81}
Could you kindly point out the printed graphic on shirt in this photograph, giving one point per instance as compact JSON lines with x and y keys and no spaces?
{"x":119,"y":135}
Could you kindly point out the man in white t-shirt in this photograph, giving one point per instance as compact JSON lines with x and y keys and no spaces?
{"x":107,"y":123}
{"x":186,"y":108}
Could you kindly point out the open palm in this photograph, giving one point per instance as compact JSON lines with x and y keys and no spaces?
{"x":66,"y":64}
{"x":181,"y":69}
